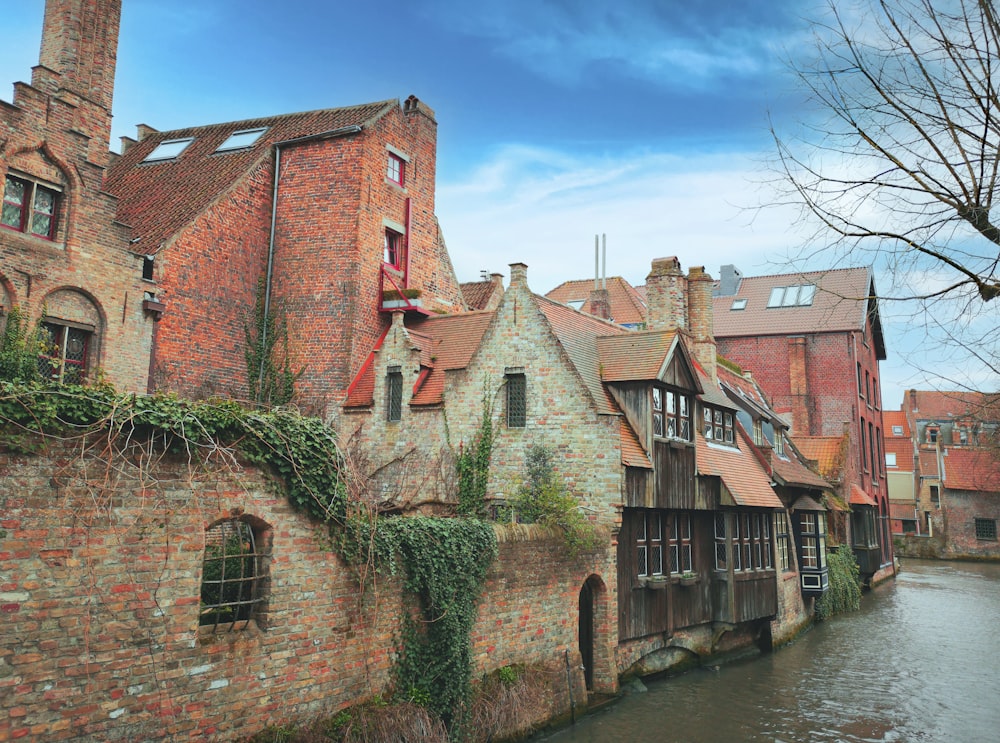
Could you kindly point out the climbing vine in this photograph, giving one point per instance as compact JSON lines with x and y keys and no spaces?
{"x":20,"y":347}
{"x":473,"y":463}
{"x":844,"y":594}
{"x":270,"y":378}
{"x":302,"y":451}
{"x":444,"y":562}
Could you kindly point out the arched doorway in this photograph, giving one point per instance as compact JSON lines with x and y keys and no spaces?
{"x":586,"y":633}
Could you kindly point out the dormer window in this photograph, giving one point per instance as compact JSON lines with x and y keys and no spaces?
{"x":779,"y":442}
{"x":671,"y":414}
{"x":800,"y":295}
{"x":718,"y":425}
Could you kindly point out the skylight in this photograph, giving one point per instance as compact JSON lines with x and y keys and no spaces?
{"x":168,"y":149}
{"x":739,"y":304}
{"x":800,"y":295}
{"x":241,"y":140}
{"x":576,"y":303}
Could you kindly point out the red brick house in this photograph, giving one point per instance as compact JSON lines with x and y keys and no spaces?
{"x":325,"y":210}
{"x":65,"y":258}
{"x":813,"y":341}
{"x":956,"y":436}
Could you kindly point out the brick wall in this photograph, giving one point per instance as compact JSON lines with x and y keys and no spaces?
{"x":100,"y":603}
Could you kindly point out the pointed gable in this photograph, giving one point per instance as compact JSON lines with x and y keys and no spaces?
{"x":627,"y":306}
{"x":158,"y":198}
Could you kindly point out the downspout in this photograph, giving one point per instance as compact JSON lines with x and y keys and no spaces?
{"x":344,"y":130}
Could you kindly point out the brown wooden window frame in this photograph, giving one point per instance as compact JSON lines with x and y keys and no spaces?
{"x":671,"y":414}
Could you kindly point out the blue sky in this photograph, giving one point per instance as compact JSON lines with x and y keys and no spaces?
{"x":645,"y":120}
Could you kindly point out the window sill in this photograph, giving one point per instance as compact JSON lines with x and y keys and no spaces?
{"x":244,"y":628}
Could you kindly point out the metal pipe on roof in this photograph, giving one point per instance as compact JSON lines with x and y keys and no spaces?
{"x":597,"y":274}
{"x":604,"y":260}
{"x":329,"y":134}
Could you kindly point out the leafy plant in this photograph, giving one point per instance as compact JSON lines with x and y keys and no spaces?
{"x":844,"y":594}
{"x":473,"y":464}
{"x":269,"y":373}
{"x":20,"y":348}
{"x":542,"y":499}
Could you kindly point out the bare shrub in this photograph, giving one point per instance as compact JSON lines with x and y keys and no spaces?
{"x":511,"y":702}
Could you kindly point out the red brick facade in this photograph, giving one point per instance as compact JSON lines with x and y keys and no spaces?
{"x":54,"y":139}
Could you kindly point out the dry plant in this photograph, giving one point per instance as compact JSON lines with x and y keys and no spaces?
{"x":510,"y":703}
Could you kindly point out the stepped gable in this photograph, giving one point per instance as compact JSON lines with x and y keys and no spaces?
{"x":156,"y":199}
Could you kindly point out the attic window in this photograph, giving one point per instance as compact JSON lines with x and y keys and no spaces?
{"x":576,"y":304}
{"x":718,"y":425}
{"x":800,"y":295}
{"x":739,"y":304}
{"x":241,"y":140}
{"x":897,"y":430}
{"x":169,"y":149}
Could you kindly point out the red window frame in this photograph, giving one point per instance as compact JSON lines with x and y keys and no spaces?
{"x":395,"y":170}
{"x":31,"y":209}
{"x":394,"y":246}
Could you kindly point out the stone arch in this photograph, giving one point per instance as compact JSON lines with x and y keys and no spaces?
{"x":37,"y":161}
{"x":597,"y":635}
{"x":73,"y":317}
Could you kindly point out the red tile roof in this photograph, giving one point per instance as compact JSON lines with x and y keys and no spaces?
{"x":972,"y":469}
{"x":157,"y":199}
{"x":826,"y":451}
{"x":903,"y":449}
{"x":839,"y":304}
{"x":633,"y":454}
{"x":627,"y":306}
{"x":742,"y":474}
{"x":928,"y":463}
{"x":892,"y":418}
{"x":482,"y":295}
{"x":578,"y":334}
{"x":639,"y":356}
{"x":924,"y":404}
{"x":446,"y":342}
{"x":860,"y":498}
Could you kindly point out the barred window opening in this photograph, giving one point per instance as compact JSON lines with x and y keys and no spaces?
{"x":231,"y":575}
{"x":517,"y":401}
{"x":394,"y":394}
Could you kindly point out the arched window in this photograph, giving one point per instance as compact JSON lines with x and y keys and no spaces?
{"x":233,"y":574}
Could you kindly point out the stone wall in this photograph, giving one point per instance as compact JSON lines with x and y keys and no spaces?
{"x":100,"y":602}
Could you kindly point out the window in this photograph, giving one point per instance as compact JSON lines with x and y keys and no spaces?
{"x":168,"y":149}
{"x":680,"y":543}
{"x":932,"y":434}
{"x":517,"y":400}
{"x":963,"y":436}
{"x":64,"y":358}
{"x":781,"y":540}
{"x":890,"y":459}
{"x":240,"y":140}
{"x":813,"y":531}
{"x":935,"y":496}
{"x":986,"y":529}
{"x":875,"y":394}
{"x":779,"y":442}
{"x":800,"y":295}
{"x":739,"y":304}
{"x":861,"y":390}
{"x":671,"y":414}
{"x":393,"y":255}
{"x":868,"y":383}
{"x":718,"y":425}
{"x":232,"y":575}
{"x":721,"y":548}
{"x":649,"y":543}
{"x":147,"y":268}
{"x":758,"y":432}
{"x":864,"y":447}
{"x":396,"y":169}
{"x":752,"y":541}
{"x":897,"y":430}
{"x":29,"y":207}
{"x":394,"y":394}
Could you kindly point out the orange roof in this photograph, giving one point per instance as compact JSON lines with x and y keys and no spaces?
{"x":903,"y":449}
{"x":892,"y":418}
{"x":826,"y":451}
{"x":639,"y":356}
{"x":742,"y":474}
{"x":972,"y":469}
{"x":922,"y":404}
{"x":157,"y":199}
{"x":578,"y":334}
{"x":633,"y":455}
{"x":482,"y":295}
{"x":840,"y":303}
{"x":928,"y":463}
{"x":860,"y":498}
{"x":627,"y":306}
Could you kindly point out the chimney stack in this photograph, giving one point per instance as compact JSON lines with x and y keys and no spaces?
{"x":666,"y":300}
{"x":701,"y":319}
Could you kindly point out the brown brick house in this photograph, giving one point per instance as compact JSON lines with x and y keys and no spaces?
{"x":65,"y":258}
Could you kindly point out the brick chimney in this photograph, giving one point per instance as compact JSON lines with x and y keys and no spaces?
{"x":701,"y":323}
{"x":666,"y":289}
{"x":600,"y":303}
{"x":518,"y":275}
{"x":799,"y":385}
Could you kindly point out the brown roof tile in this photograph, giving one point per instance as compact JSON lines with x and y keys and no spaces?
{"x":628,"y":307}
{"x":972,"y":469}
{"x":633,"y":455}
{"x":826,"y":451}
{"x":157,"y":199}
{"x":892,"y":418}
{"x":928,"y":463}
{"x":741,"y":472}
{"x":482,"y":295}
{"x":859,"y":497}
{"x":839,"y":304}
{"x":931,"y":404}
{"x":638,"y":356}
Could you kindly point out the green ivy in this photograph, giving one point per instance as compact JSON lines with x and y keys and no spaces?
{"x":302,"y":451}
{"x":844,"y":593}
{"x":269,"y":373}
{"x":19,"y":348}
{"x":444,"y":563}
{"x":473,"y":464}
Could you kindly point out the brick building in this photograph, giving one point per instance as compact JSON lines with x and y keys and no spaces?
{"x":813,"y":341}
{"x":65,"y":258}
{"x":955,"y":437}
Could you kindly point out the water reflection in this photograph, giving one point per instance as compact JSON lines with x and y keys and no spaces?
{"x":917,"y":663}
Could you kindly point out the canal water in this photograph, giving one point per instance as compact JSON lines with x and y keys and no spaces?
{"x":919,"y":662}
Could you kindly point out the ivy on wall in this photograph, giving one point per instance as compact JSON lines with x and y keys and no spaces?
{"x":844,"y":594}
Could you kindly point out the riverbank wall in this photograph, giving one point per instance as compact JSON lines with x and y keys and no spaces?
{"x":100,"y":597}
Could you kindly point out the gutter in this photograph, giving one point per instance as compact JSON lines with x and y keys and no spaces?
{"x":330,"y":134}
